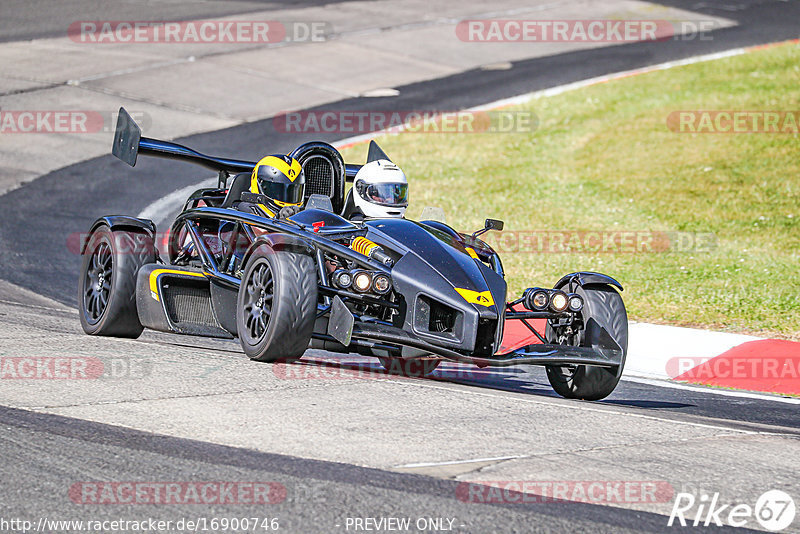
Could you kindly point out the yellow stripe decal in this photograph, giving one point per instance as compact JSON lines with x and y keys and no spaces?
{"x":156,"y":274}
{"x":476,"y":297}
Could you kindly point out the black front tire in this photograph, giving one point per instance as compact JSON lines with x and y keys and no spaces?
{"x":277,"y":305}
{"x":603,"y":304}
{"x":107,"y":283}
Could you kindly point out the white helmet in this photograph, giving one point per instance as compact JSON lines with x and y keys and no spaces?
{"x":380,"y":189}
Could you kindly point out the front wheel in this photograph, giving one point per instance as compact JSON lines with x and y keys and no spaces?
{"x":107,"y":284}
{"x":604,"y":305}
{"x":277,"y":305}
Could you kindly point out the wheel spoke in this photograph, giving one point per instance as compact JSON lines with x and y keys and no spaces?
{"x":254,"y":330}
{"x":257,"y":303}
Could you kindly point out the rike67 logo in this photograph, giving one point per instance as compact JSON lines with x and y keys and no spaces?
{"x":774,"y":510}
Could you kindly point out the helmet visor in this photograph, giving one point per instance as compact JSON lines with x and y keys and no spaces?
{"x":387,"y":194}
{"x":291,"y":193}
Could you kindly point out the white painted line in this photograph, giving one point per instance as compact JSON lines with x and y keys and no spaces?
{"x":552,"y":91}
{"x":161,"y":208}
{"x":522,"y":99}
{"x":710,"y":390}
{"x":457,"y":462}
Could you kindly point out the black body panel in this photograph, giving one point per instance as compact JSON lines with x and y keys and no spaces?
{"x":587,"y":277}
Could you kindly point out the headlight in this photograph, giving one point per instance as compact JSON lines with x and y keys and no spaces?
{"x":536,"y":299}
{"x":559,"y":301}
{"x":381,"y":284}
{"x":575,"y":302}
{"x":362,"y":281}
{"x":342,"y":279}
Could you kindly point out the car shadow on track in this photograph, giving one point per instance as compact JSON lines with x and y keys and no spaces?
{"x":529,"y":380}
{"x":512,"y":379}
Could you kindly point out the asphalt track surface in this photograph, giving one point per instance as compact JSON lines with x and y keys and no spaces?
{"x":317,"y":492}
{"x":34,"y":19}
{"x":37,"y":220}
{"x":42,"y":451}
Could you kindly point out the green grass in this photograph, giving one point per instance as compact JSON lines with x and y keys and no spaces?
{"x":603,"y":159}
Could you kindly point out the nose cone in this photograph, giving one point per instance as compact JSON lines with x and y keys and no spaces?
{"x":441,"y":283}
{"x":445,"y":256}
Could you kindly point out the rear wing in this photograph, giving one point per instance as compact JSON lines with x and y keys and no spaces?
{"x":129,"y":143}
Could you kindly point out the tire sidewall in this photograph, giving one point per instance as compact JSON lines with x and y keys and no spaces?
{"x":277,"y":344}
{"x":129,"y":251}
{"x":602,"y":303}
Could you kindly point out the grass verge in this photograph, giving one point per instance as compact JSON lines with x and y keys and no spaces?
{"x":604,"y":160}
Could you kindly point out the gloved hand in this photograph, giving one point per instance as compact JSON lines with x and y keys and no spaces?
{"x":288,"y":211}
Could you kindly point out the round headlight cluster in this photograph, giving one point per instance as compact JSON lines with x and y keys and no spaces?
{"x":538,"y":299}
{"x":362,"y":281}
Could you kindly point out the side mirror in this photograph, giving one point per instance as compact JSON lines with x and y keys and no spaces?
{"x":493,"y":224}
{"x":490,"y":224}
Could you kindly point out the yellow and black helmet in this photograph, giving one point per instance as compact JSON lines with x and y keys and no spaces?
{"x":279,"y":178}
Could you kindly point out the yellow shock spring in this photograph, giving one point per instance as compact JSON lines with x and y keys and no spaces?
{"x":363,"y":246}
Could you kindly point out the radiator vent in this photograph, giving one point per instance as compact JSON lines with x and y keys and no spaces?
{"x":319,"y":176}
{"x":189,"y":303}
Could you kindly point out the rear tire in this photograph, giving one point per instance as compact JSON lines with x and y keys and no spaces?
{"x":107,"y":283}
{"x":277,"y":305}
{"x":603,"y":304}
{"x":415,"y":368}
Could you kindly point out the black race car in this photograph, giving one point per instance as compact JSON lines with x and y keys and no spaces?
{"x":409,"y":293}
